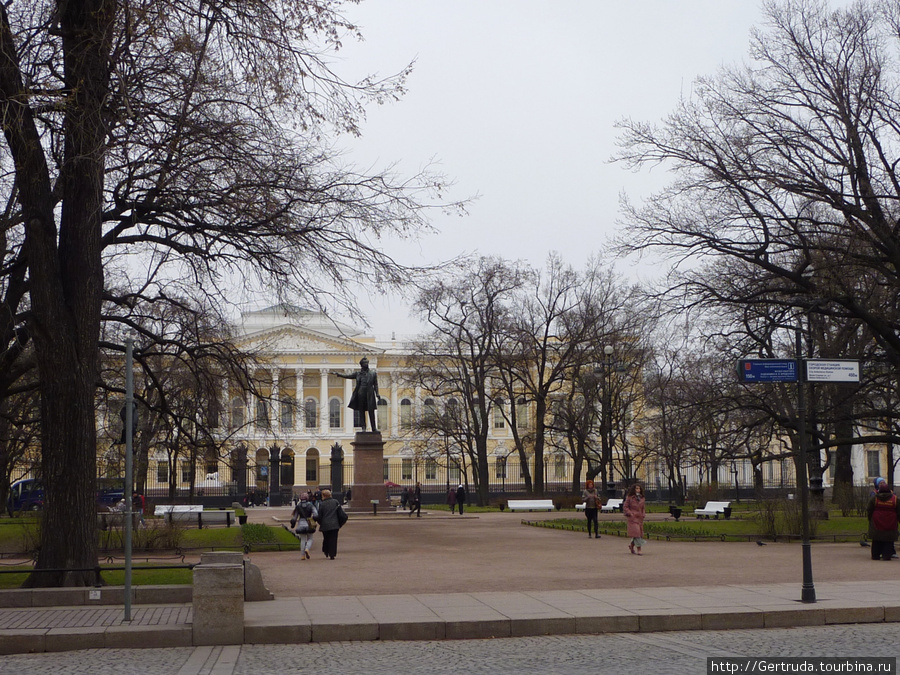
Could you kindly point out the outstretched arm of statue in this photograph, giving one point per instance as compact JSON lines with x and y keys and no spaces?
{"x":346,"y":377}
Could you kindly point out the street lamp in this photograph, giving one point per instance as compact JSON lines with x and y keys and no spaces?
{"x":808,"y":589}
{"x":607,"y":437}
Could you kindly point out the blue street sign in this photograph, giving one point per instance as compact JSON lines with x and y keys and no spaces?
{"x":767,"y":370}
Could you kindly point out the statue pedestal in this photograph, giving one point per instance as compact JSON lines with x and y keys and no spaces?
{"x":368,"y":471}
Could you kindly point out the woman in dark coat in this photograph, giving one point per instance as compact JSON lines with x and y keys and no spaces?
{"x":883,"y":512}
{"x":461,"y":498}
{"x":331,"y":518}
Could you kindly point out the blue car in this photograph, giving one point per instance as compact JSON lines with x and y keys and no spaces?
{"x":25,"y":495}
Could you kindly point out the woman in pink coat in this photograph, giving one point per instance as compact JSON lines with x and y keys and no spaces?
{"x":634,"y":516}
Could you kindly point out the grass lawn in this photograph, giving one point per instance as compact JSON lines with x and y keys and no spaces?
{"x":744,"y":528}
{"x":252,"y":537}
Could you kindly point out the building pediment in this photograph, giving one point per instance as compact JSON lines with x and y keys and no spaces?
{"x":288,"y":339}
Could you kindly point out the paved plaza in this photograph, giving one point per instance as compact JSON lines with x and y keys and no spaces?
{"x":440,"y":578}
{"x":670,"y":653}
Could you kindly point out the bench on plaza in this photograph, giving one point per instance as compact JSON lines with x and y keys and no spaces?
{"x":612,"y":505}
{"x":609,"y":507}
{"x":714,"y":509}
{"x":194,"y":513}
{"x":530,"y":504}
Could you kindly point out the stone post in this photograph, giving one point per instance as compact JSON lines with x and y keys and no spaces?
{"x":218,"y":599}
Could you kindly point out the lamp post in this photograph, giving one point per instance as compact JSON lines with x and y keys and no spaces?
{"x":808,"y":589}
{"x":607,"y":418}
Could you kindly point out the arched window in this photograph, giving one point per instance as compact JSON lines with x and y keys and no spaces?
{"x":383,"y":415}
{"x":559,"y":467}
{"x":309,"y":410}
{"x":501,"y":467}
{"x":499,"y":420}
{"x":521,"y":413}
{"x":312,"y":466}
{"x":287,"y":412}
{"x":430,"y":411}
{"x":237,"y":413}
{"x":406,"y":414}
{"x":262,"y":414}
{"x":334,"y":414}
{"x":287,"y":467}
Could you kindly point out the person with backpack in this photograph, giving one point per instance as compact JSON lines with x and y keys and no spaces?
{"x":883,"y":511}
{"x":304,"y":521}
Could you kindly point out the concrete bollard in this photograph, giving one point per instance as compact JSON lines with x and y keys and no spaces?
{"x":218,"y":600}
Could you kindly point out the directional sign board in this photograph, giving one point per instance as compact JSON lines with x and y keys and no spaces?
{"x":767,"y":370}
{"x":822,"y":370}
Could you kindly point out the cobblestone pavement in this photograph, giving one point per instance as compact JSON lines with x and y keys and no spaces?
{"x":665,"y":653}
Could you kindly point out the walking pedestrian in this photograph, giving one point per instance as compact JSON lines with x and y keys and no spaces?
{"x":460,"y":498}
{"x":451,"y":499}
{"x":331,"y":519}
{"x":415,"y":499}
{"x":591,"y":500}
{"x":634,"y":516}
{"x":304,"y":519}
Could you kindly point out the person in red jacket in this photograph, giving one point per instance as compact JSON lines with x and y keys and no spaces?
{"x":634,"y":516}
{"x":883,"y":512}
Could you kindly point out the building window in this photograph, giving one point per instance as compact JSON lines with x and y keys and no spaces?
{"x":312,"y":469}
{"x":430,"y":412}
{"x":430,"y":469}
{"x":237,"y":413}
{"x":212,"y":466}
{"x":287,"y":413}
{"x":162,"y":472}
{"x":406,"y":414}
{"x":521,"y":413}
{"x":873,"y":463}
{"x":500,"y":466}
{"x":334,"y":414}
{"x":382,"y":415}
{"x":499,"y":421}
{"x":386,"y":470}
{"x":309,"y":409}
{"x":406,"y":469}
{"x":559,"y":466}
{"x":185,"y":472}
{"x":832,"y":458}
{"x":454,"y":472}
{"x":453,"y":411}
{"x":262,"y":414}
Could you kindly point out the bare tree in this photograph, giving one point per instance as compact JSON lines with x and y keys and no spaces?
{"x":457,"y":359}
{"x":174,"y":149}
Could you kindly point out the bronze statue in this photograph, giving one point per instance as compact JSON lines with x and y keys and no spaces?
{"x":365,"y":394}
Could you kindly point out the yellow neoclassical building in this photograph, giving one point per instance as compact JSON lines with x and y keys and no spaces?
{"x":289,"y":430}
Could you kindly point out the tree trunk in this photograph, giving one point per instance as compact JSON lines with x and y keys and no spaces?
{"x":66,"y":292}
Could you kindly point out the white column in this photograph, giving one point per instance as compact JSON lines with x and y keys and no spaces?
{"x":394,"y":406}
{"x":225,"y":416}
{"x":323,"y":402}
{"x":348,"y":414}
{"x":300,"y":419}
{"x":276,"y":400}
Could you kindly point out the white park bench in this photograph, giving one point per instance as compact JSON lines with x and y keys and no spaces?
{"x":609,"y":507}
{"x":530,"y":504}
{"x":194,"y":513}
{"x":714,"y":509}
{"x":612,"y":505}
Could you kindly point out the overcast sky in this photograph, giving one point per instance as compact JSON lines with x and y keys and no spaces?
{"x":517,"y":100}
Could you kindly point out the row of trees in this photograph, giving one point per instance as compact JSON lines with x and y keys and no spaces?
{"x":783,"y":215}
